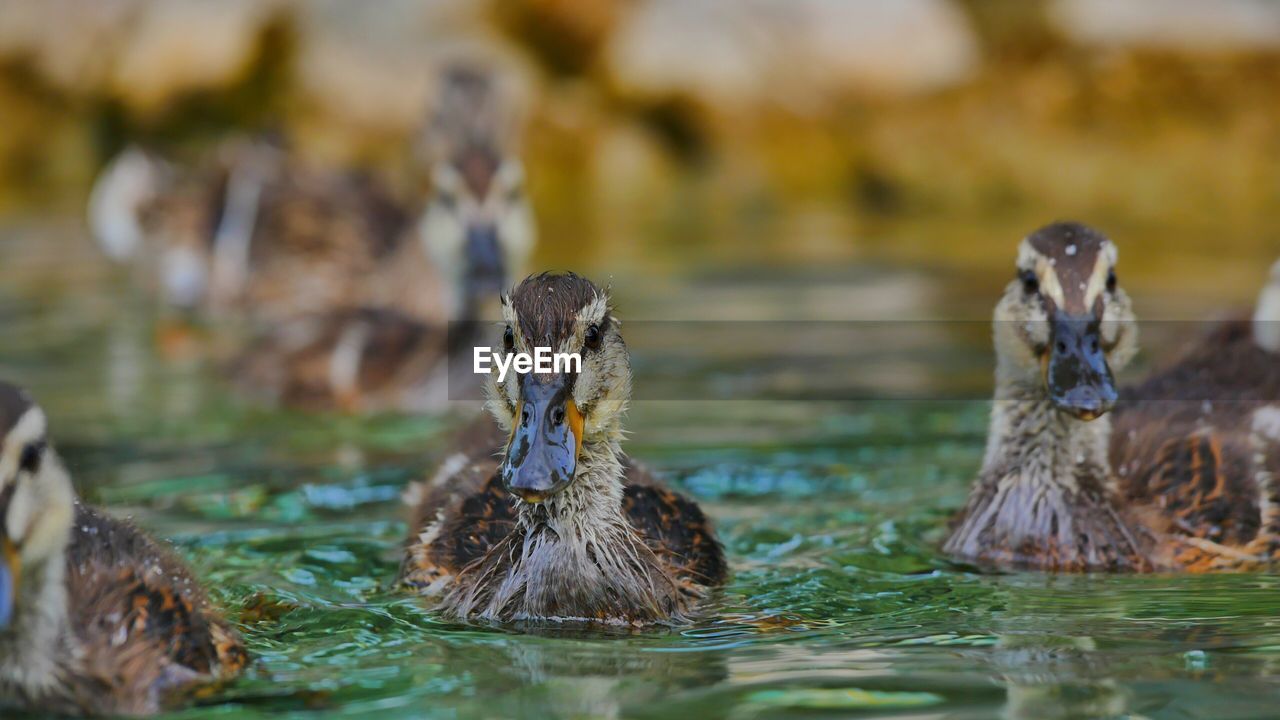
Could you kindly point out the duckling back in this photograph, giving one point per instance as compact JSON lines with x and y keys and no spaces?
{"x":147,"y":635}
{"x":1195,"y":449}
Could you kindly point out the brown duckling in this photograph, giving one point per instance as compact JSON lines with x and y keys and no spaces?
{"x":257,"y":235}
{"x":561,"y":527}
{"x":95,"y":617}
{"x":255,"y":232}
{"x":478,"y":231}
{"x":1174,"y":487}
{"x":370,"y":358}
{"x":1203,"y":435}
{"x":478,"y":224}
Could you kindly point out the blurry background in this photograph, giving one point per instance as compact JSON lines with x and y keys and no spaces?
{"x":764,"y":160}
{"x":670,"y":135}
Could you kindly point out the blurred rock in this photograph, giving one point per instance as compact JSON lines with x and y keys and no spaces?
{"x":189,"y":45}
{"x":563,"y":36}
{"x":1179,"y":25}
{"x":744,"y":52}
{"x":73,"y":44}
{"x":374,"y":70}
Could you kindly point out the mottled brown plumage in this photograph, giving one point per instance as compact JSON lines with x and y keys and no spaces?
{"x":360,"y":360}
{"x":330,"y":241}
{"x":1195,"y":449}
{"x":365,"y":324}
{"x":101,"y":619}
{"x":478,"y":513}
{"x":254,"y":233}
{"x":1178,"y":477}
{"x":610,"y":545}
{"x":149,"y":637}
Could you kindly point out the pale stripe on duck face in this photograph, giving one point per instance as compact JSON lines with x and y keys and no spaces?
{"x":601,"y":391}
{"x":37,"y":496}
{"x":36,"y":514}
{"x":1065,"y":274}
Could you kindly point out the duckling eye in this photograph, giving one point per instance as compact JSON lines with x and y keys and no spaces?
{"x":592,"y":337}
{"x":508,"y":339}
{"x":1111,"y":281}
{"x":1030,"y":283}
{"x":31,"y":457}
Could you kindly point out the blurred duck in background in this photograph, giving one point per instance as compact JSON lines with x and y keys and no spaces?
{"x":258,"y":236}
{"x":346,"y":297}
{"x":478,"y":224}
{"x":1184,"y":481}
{"x":563,"y":527}
{"x":478,"y":231}
{"x":95,"y":617}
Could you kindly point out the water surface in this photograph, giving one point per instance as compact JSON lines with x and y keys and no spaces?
{"x":830,"y":512}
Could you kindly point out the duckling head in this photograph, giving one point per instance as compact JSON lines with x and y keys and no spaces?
{"x":1063,"y":324}
{"x":36,"y":497}
{"x":559,"y":419}
{"x":478,"y":226}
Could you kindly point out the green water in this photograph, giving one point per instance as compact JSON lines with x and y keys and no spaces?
{"x":830,"y":513}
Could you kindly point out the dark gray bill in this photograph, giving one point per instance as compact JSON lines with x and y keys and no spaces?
{"x":1078,"y":376}
{"x":543,"y":452}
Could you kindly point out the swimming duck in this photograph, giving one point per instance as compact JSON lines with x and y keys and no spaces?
{"x":95,"y":617}
{"x":369,"y":358}
{"x":562,"y":527}
{"x":256,"y":232}
{"x":257,"y":235}
{"x":1177,"y":485}
{"x":478,"y":230}
{"x":478,"y":223}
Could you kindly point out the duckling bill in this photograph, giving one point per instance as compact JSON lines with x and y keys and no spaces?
{"x":96,"y":618}
{"x":1180,"y":484}
{"x":562,"y":526}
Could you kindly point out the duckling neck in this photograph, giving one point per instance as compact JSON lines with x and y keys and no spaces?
{"x":1045,"y":447}
{"x":36,"y":643}
{"x":593,"y":500}
{"x":575,"y":556}
{"x":1044,"y":497}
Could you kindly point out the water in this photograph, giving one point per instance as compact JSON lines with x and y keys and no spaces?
{"x":831,"y":514}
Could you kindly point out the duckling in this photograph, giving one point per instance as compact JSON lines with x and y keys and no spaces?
{"x":1173,"y":488}
{"x":180,"y":226}
{"x":373,"y":358}
{"x":95,"y":617}
{"x":1203,"y":436}
{"x":562,"y":527}
{"x":478,"y":231}
{"x":478,"y":212}
{"x":257,"y":235}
